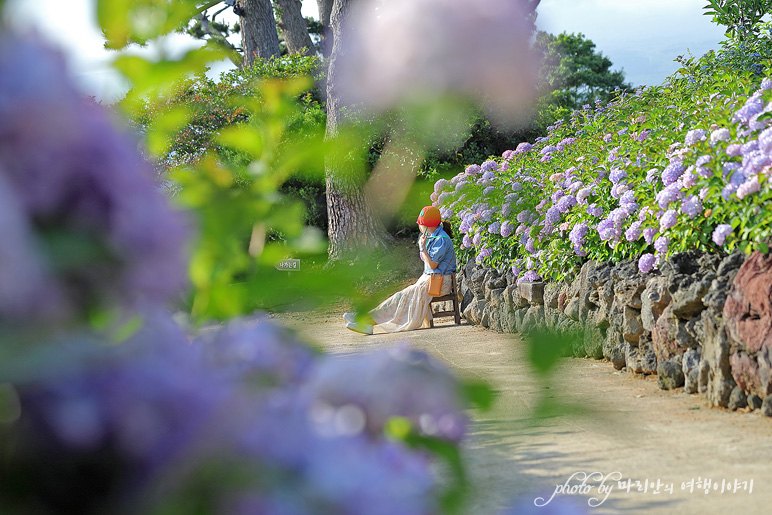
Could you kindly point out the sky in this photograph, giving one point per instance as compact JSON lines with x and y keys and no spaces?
{"x":641,"y":37}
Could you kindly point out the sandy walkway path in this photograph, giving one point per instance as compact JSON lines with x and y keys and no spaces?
{"x":629,"y":427}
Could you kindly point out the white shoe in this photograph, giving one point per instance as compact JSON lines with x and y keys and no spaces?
{"x":350,"y":318}
{"x":360,"y":328}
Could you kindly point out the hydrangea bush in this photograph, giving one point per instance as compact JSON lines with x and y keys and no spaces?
{"x":680,"y":166}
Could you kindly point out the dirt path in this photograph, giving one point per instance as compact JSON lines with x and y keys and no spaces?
{"x":629,"y":427}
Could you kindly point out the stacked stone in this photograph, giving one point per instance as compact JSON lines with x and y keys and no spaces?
{"x":703,"y":322}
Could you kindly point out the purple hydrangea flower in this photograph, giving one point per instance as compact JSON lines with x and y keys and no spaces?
{"x":749,"y":147}
{"x":606,"y":230}
{"x":525,"y":216}
{"x":672,"y":172}
{"x":608,"y":137}
{"x":720,"y":234}
{"x":766,"y":84}
{"x":668,"y":220}
{"x":617,"y":175}
{"x":488,"y":165}
{"x":466,"y":242}
{"x":668,"y":195}
{"x":734,"y":150}
{"x":529,"y":246}
{"x":594,"y":210}
{"x":489,"y":190}
{"x":582,"y":194}
{"x":728,"y":190}
{"x":565,"y":142}
{"x":548,"y":150}
{"x":752,"y":107}
{"x":523,"y":147}
{"x":477,"y":239}
{"x":529,"y":277}
{"x":646,"y":263}
{"x":748,"y":188}
{"x":648,"y":235}
{"x":662,"y":244}
{"x":442,"y":185}
{"x":765,"y":141}
{"x":719,"y":135}
{"x":473,"y":170}
{"x":652,"y":175}
{"x":566,"y":203}
{"x":552,"y":216}
{"x":494,"y":228}
{"x":689,"y":178}
{"x":578,"y":234}
{"x":506,"y":228}
{"x":634,"y":231}
{"x":692,"y":206}
{"x":694,"y":136}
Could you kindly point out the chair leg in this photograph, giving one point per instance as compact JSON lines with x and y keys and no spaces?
{"x":457,"y":313}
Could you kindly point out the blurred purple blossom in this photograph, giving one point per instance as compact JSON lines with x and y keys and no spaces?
{"x":395,"y":56}
{"x":72,"y":172}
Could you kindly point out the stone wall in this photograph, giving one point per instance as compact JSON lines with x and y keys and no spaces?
{"x":702,"y":322}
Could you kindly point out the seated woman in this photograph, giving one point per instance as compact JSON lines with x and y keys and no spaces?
{"x":407,"y":309}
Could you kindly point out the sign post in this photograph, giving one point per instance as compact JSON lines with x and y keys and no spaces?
{"x":288,"y":265}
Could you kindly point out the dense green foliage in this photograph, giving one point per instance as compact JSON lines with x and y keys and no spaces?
{"x":573,"y":74}
{"x":740,"y":17}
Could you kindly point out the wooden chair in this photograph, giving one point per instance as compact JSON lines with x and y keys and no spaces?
{"x":453,"y":297}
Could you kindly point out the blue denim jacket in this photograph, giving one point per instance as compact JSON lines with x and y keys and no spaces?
{"x":440,"y":249}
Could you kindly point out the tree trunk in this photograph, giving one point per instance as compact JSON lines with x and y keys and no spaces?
{"x":258,"y":30}
{"x":293,"y":28}
{"x":325,"y":10}
{"x":352,"y":223}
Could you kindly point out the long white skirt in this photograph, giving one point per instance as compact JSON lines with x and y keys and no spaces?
{"x":407,"y":309}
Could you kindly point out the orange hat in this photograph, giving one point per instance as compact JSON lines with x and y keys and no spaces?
{"x":430,"y":217}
